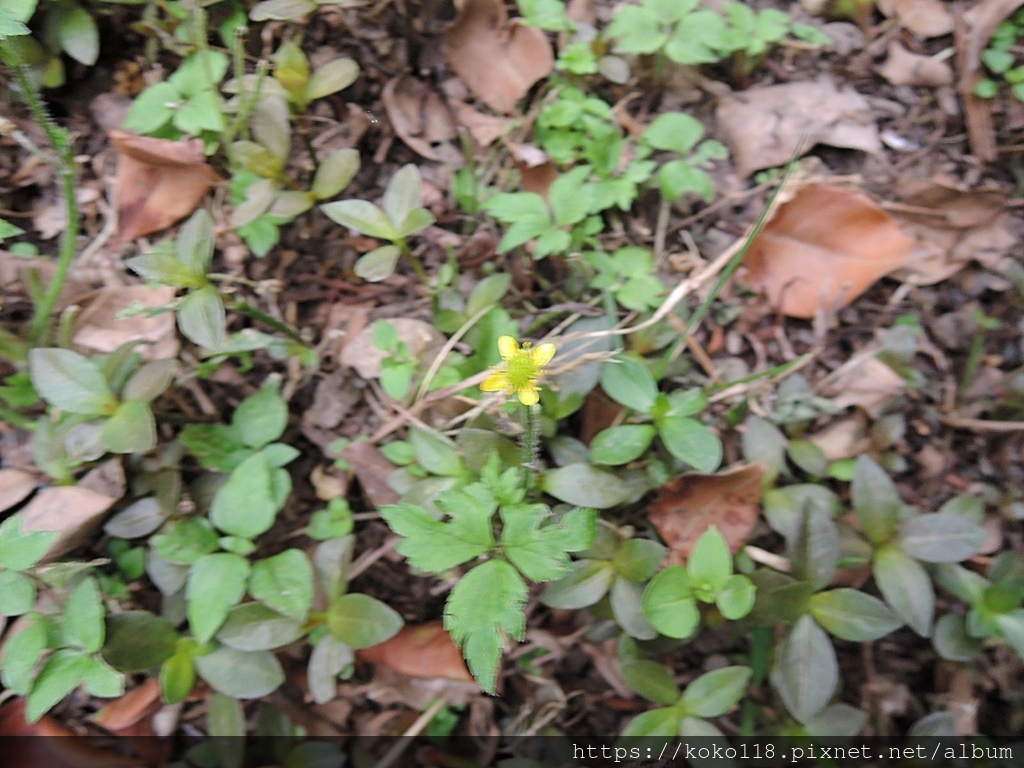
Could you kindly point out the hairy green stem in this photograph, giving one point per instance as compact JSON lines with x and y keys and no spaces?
{"x":65,"y":162}
{"x":531,"y":447}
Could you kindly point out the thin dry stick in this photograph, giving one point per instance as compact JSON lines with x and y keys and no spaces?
{"x":981,"y":425}
{"x":414,"y":730}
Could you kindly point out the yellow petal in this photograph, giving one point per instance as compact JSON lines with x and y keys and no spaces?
{"x":496,"y":382}
{"x":508,"y":347}
{"x":529,"y":395}
{"x":542,"y":355}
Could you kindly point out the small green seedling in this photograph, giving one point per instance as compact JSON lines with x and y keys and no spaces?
{"x":671,"y":599}
{"x":1002,"y":60}
{"x":524,"y":541}
{"x":401,"y":216}
{"x":685,"y":714}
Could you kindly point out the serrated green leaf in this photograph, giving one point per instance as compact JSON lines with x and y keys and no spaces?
{"x":285,"y":583}
{"x":18,"y":550}
{"x":360,"y":621}
{"x":60,"y":675}
{"x":674,"y":131}
{"x":17,"y":593}
{"x":485,"y":607}
{"x":216,"y":583}
{"x":22,"y":652}
{"x":540,"y":553}
{"x":70,"y":381}
{"x":435,"y":546}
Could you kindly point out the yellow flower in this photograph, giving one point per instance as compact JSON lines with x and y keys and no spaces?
{"x":520,"y":371}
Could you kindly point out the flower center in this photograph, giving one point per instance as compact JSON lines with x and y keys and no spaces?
{"x":521,"y":370}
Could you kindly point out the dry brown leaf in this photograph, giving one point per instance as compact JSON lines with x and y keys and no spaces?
{"x":940,"y":202}
{"x":536,"y":171}
{"x":372,"y":470}
{"x":497,"y":59}
{"x":158,"y":182}
{"x":424,"y":651}
{"x":72,"y":511}
{"x":844,"y":438}
{"x":418,"y":114}
{"x":15,"y":486}
{"x":52,"y":750}
{"x":688,"y":505}
{"x":870,"y":385}
{"x":422,"y":339}
{"x":905,"y":68}
{"x":927,"y":18}
{"x":824,"y":248}
{"x":485,"y":129}
{"x":99,"y":329}
{"x":765,"y":127}
{"x":124,"y":714}
{"x":958,"y":224}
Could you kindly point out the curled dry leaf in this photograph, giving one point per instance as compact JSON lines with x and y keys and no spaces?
{"x":823,"y":249}
{"x":418,"y":114}
{"x":485,"y":129}
{"x":688,"y":505}
{"x":72,"y":511}
{"x":536,"y":172}
{"x":764,"y":127}
{"x":158,"y":182}
{"x":905,"y":68}
{"x":126,"y":714}
{"x":927,"y":18}
{"x":99,"y":327}
{"x":870,"y":385}
{"x":499,"y":60}
{"x":959,"y":225}
{"x":423,"y":651}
